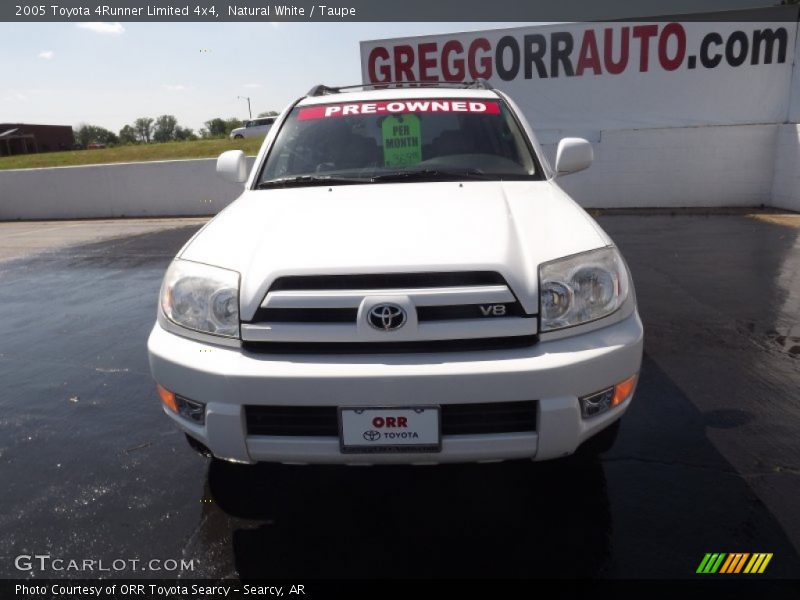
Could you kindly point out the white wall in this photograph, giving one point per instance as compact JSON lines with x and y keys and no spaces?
{"x":688,"y":166}
{"x":676,"y":167}
{"x":164,"y":188}
{"x":786,"y":180}
{"x":740,"y":165}
{"x":794,"y":98}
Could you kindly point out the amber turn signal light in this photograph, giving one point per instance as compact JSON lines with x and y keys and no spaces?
{"x":623,"y":390}
{"x":168,"y":398}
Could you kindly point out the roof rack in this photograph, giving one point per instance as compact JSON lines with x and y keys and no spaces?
{"x":478,"y":84}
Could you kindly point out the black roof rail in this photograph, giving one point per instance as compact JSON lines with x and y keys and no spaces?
{"x":323,"y":90}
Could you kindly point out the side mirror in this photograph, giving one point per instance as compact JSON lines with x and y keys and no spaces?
{"x":573,"y":155}
{"x":232,"y":166}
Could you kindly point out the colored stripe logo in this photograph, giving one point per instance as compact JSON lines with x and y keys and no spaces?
{"x":734,"y":562}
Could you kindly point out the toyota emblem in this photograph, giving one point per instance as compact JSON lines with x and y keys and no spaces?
{"x":372,"y":435}
{"x":386,"y":317}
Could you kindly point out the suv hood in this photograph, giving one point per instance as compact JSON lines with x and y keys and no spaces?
{"x":508,"y":227}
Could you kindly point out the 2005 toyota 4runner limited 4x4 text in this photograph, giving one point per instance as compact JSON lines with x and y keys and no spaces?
{"x":402,"y":281}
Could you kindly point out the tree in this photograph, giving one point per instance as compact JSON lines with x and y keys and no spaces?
{"x":218,"y":127}
{"x":144,"y":129}
{"x":215,"y":127}
{"x":231,"y":124}
{"x":268,"y":113}
{"x":93,"y":134}
{"x":127,"y":135}
{"x":184,"y":133}
{"x":164,"y":129}
{"x":82,"y":134}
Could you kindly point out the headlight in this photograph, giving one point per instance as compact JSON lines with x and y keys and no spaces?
{"x":201,"y":297}
{"x":581,"y":288}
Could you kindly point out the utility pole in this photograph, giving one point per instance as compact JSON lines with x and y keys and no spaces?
{"x":250,"y":112}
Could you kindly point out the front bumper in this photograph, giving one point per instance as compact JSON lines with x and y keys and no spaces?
{"x":554,"y":373}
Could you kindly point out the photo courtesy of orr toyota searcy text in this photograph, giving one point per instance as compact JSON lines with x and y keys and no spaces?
{"x":676,"y":68}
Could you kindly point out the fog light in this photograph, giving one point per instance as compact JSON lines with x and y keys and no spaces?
{"x":597,"y":403}
{"x":188,"y":409}
{"x":191,"y":409}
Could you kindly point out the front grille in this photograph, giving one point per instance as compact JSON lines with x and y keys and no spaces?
{"x":468,"y":311}
{"x":349,"y":315}
{"x":305,"y":315}
{"x":375,"y":281}
{"x":467,"y":345}
{"x":449,"y":311}
{"x":316,"y":421}
{"x":457,"y":419}
{"x":493,"y":417}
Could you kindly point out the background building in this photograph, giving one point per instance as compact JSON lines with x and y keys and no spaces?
{"x":23,"y":138}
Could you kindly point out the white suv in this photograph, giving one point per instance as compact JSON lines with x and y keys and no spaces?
{"x":254,"y":128}
{"x":402,"y":281}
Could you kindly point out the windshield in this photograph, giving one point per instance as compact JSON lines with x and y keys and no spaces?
{"x":365,"y":142}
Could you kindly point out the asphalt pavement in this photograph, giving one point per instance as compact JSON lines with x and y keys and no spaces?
{"x":708,"y":458}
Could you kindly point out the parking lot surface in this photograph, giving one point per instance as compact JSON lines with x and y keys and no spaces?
{"x":708,"y":459}
{"x":23,"y":238}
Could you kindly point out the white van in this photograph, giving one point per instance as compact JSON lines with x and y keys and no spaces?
{"x":255,"y":128}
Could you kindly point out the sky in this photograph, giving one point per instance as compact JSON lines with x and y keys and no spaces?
{"x":108,"y":74}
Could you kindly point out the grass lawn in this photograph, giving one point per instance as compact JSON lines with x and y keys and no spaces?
{"x":139,"y":153}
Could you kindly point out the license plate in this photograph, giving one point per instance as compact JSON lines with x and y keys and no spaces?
{"x":408,"y":429}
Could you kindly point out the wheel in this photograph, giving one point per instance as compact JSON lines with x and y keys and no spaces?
{"x":602,"y":442}
{"x":238,"y":136}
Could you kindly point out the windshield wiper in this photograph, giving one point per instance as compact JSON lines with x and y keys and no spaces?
{"x":422,"y":174}
{"x":309,"y":180}
{"x":415,"y":175}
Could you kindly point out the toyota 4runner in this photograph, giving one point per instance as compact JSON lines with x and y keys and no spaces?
{"x":402,"y":281}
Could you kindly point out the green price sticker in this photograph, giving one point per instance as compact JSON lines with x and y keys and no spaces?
{"x":402,"y":142}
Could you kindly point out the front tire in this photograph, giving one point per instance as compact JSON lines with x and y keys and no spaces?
{"x":238,"y":136}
